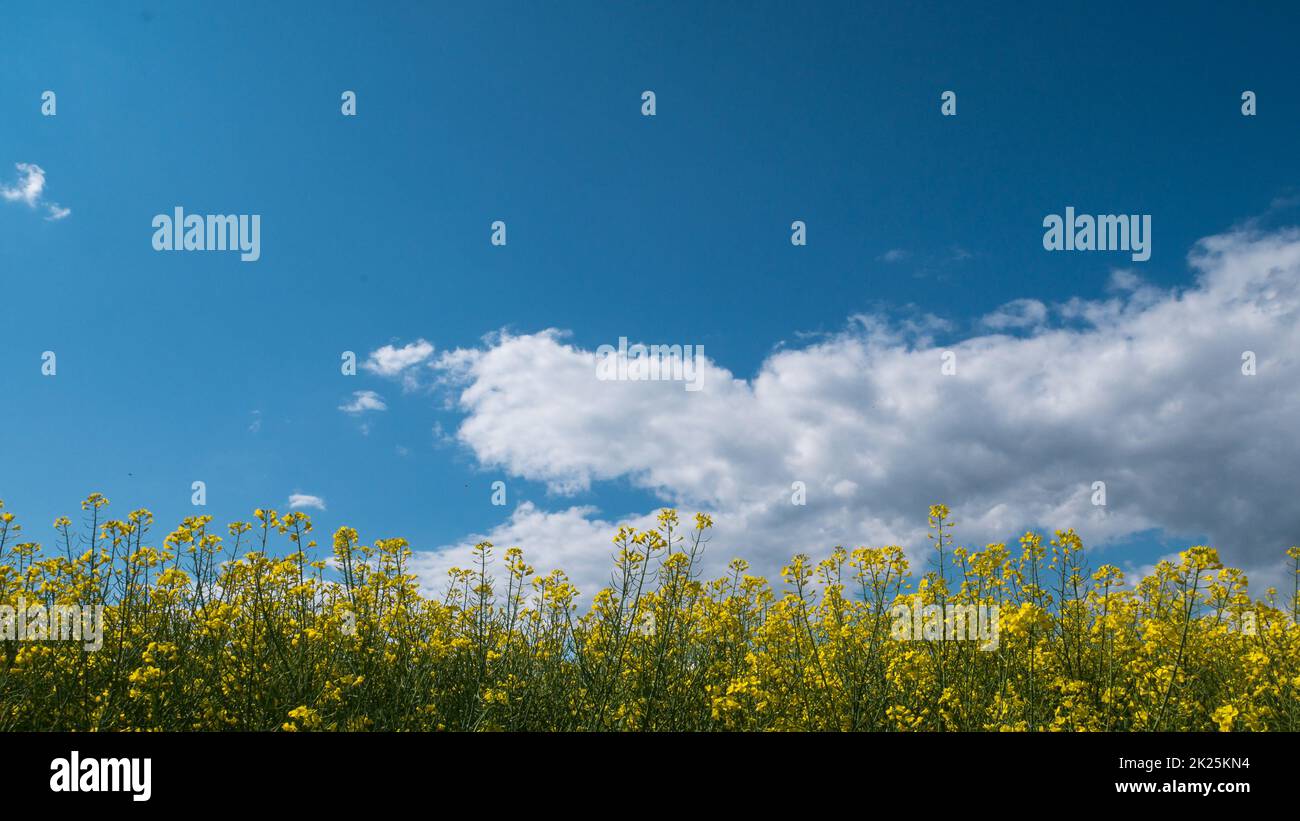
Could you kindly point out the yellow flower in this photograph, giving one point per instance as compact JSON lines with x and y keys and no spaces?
{"x":1224,"y":717}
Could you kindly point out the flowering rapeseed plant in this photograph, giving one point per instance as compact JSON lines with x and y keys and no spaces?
{"x":242,"y":630}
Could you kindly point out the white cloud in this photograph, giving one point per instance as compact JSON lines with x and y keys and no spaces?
{"x":574,"y":540}
{"x":392,"y":362}
{"x":1018,"y":313}
{"x":1124,"y":279}
{"x":30,"y":190}
{"x":31,"y":182}
{"x":1142,"y":389}
{"x":300,"y":500}
{"x":895,"y":255}
{"x":363,"y":401}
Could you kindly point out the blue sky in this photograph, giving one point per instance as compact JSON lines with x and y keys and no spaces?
{"x":176,"y":367}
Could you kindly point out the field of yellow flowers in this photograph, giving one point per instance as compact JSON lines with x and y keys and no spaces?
{"x":243,"y":630}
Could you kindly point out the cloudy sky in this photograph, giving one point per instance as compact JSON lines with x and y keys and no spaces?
{"x":822,"y":363}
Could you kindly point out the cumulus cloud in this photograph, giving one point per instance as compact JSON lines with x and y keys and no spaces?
{"x":31,"y":182}
{"x":363,"y":401}
{"x":298,"y":501}
{"x":575,"y":540}
{"x":401,"y":363}
{"x":30,"y":188}
{"x":1142,"y":389}
{"x":1019,"y":313}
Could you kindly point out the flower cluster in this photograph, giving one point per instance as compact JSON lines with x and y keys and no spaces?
{"x":245,"y":629}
